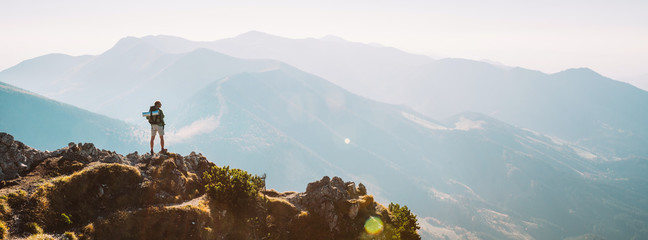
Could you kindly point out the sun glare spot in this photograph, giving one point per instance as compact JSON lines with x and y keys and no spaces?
{"x":373,"y":225}
{"x":347,"y":141}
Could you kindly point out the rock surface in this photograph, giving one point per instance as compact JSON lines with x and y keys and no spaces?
{"x":105,"y":195}
{"x":342,"y":206}
{"x":16,"y":157}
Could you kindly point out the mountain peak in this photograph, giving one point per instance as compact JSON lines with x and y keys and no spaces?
{"x":124,"y":45}
{"x":128,"y":41}
{"x":580,"y":69}
{"x":583,"y":71}
{"x":332,"y":38}
{"x":255,"y":35}
{"x":164,"y":43}
{"x":162,"y":36}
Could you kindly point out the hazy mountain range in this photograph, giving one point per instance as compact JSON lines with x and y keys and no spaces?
{"x":578,"y":105}
{"x":575,"y":168}
{"x":50,"y":124}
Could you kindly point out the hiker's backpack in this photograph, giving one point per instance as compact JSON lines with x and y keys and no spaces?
{"x":154,"y":119}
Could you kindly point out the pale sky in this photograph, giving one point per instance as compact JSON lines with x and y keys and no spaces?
{"x":610,"y":37}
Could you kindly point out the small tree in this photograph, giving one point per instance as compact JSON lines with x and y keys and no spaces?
{"x":233,"y":187}
{"x":404,"y":222}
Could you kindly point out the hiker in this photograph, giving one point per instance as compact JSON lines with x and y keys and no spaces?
{"x":157,"y":125}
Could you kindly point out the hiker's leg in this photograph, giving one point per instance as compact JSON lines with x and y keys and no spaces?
{"x":162,"y":141}
{"x":152,"y":141}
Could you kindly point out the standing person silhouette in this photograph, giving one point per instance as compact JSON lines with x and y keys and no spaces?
{"x":157,"y":125}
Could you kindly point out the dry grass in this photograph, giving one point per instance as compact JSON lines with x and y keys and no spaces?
{"x":33,"y":228}
{"x":40,"y":236}
{"x":5,"y":209}
{"x":156,"y":223}
{"x":85,"y":195}
{"x":115,"y":201}
{"x":4,"y":230}
{"x":16,"y":197}
{"x":89,"y":229}
{"x":281,"y":207}
{"x":69,"y":236}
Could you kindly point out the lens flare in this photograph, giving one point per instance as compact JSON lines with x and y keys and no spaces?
{"x":347,"y":141}
{"x":373,"y":225}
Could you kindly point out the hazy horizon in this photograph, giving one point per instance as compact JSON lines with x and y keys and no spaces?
{"x":608,"y":37}
{"x":476,"y":151}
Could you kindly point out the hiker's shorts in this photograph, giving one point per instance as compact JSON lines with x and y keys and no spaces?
{"x":157,"y":129}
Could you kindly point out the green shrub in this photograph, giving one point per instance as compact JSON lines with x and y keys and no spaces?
{"x":232,"y":187}
{"x":404,"y":223}
{"x":4,"y":230}
{"x":33,"y":228}
{"x":66,"y":219}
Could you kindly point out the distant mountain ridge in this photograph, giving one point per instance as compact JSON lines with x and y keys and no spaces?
{"x":45,"y":123}
{"x":606,"y":115}
{"x":600,"y":113}
{"x":348,"y":64}
{"x":128,"y":75}
{"x":578,"y":105}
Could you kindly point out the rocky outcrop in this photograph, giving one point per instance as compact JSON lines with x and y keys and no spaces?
{"x":93,"y":193}
{"x":87,"y":184}
{"x":16,"y":157}
{"x":330,"y":197}
{"x":339,"y":206}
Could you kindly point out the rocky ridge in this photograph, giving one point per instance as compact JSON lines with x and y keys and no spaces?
{"x":100,"y":192}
